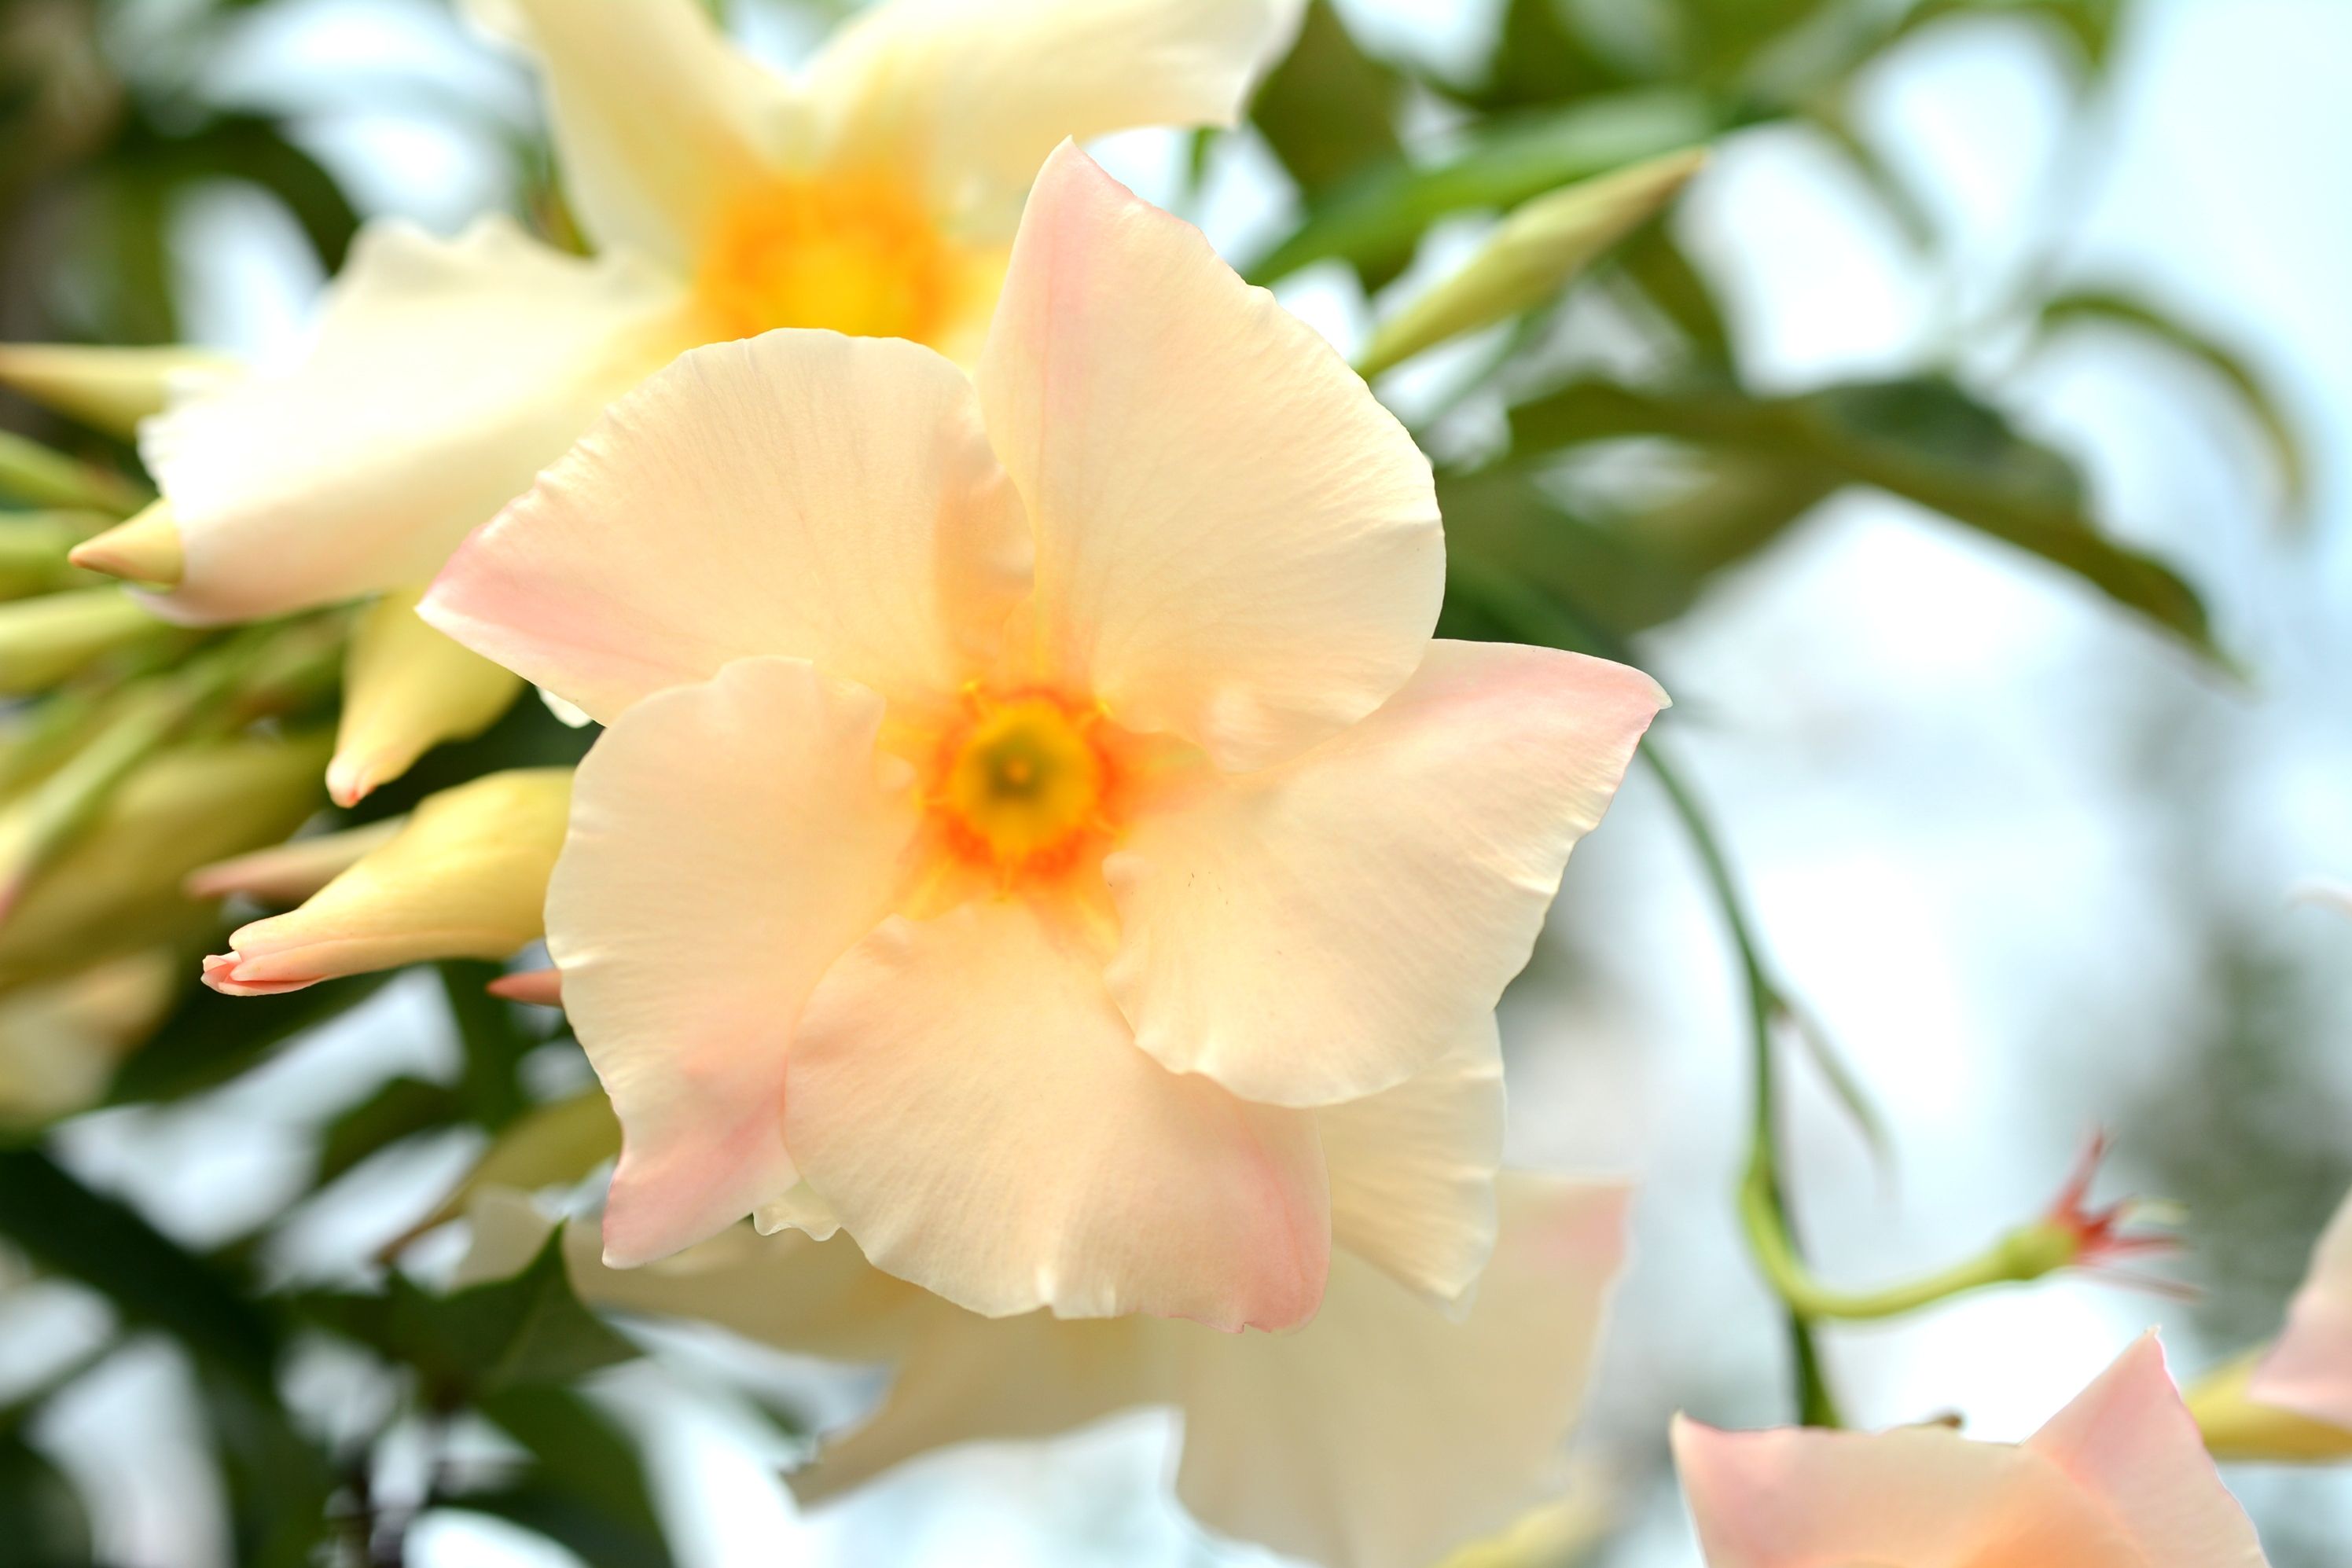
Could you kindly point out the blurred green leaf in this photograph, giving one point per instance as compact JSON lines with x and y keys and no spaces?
{"x":277,"y":1482}
{"x":39,"y":476}
{"x":568,"y":1520}
{"x":150,"y":1279}
{"x":493,"y":1038}
{"x":1666,"y":278}
{"x":2114,"y":308}
{"x":481,"y":1340}
{"x":581,"y":1455}
{"x":400,"y":1108}
{"x":1542,"y":56}
{"x":210,"y":1038}
{"x":42,"y":1519}
{"x":1376,"y":217}
{"x":1923,"y":439}
{"x":2090,"y":25}
{"x":1327,"y":108}
{"x":1500,"y":525}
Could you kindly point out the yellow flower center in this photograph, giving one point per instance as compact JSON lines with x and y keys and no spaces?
{"x":1024,"y":784}
{"x":856,"y":252}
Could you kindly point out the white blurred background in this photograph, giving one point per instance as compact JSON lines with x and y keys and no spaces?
{"x":2028,"y":866}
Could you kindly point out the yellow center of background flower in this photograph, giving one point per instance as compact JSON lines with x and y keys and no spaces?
{"x":1023,"y":785}
{"x":857,"y":253}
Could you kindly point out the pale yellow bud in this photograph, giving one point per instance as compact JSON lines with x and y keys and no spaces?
{"x":406,"y":689}
{"x":145,"y":550}
{"x":44,"y":640}
{"x":466,"y":878}
{"x":116,"y":887}
{"x":291,"y":872}
{"x":108,"y":389}
{"x":1534,"y":253}
{"x":2238,"y":1426}
{"x":61,"y":1039}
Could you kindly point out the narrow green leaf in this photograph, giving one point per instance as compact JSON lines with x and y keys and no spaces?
{"x":2116,"y":308}
{"x":1377,"y":216}
{"x":1326,"y":109}
{"x":150,"y":1279}
{"x":40,"y":476}
{"x":400,"y":1108}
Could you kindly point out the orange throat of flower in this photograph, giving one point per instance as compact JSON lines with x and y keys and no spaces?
{"x":858,"y":253}
{"x":1025,"y":787}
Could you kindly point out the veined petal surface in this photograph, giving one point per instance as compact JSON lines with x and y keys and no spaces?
{"x":973,"y":94}
{"x":1236,"y":542}
{"x":965,"y":1097}
{"x":728,"y":841}
{"x":1324,"y":930}
{"x":800,"y":493}
{"x":444,"y":376}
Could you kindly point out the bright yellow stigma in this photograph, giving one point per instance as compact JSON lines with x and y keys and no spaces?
{"x":1023,"y":785}
{"x":859,"y":254}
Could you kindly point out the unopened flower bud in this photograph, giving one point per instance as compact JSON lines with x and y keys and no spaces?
{"x":60,"y":1040}
{"x":108,"y":389}
{"x":145,"y":550}
{"x":42,"y":641}
{"x":290,"y":873}
{"x":117,"y":886}
{"x":466,"y":878}
{"x":1534,"y":253}
{"x":406,"y":689}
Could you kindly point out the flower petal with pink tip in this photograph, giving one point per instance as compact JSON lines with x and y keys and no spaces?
{"x":964,"y":1094}
{"x":799,"y":494}
{"x":1236,"y":541}
{"x":728,"y":841}
{"x":1326,"y":929}
{"x":2309,"y":1370}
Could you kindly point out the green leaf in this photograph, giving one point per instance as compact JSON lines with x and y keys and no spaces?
{"x":1542,"y":57}
{"x":1376,"y":217}
{"x":569,"y":1522}
{"x":1326,"y":109}
{"x":484,"y":1338}
{"x":2115,"y":308}
{"x":150,"y":1279}
{"x":41,"y":1515}
{"x":1502,"y":528}
{"x":279,"y":1483}
{"x":1665,"y":274}
{"x":582,"y":1455}
{"x":38,"y":475}
{"x":494,"y":1041}
{"x":400,"y":1108}
{"x":1924,"y":440}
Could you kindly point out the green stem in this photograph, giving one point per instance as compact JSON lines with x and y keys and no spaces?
{"x":1763,"y":1205}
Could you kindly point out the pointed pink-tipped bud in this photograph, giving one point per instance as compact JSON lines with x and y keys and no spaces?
{"x":539,"y":988}
{"x":407,"y":687}
{"x":145,"y":550}
{"x":291,"y":872}
{"x":466,"y":878}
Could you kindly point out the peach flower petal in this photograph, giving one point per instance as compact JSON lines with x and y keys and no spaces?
{"x":1326,"y":929}
{"x":694,"y":908}
{"x":445,"y":374}
{"x":1236,"y":541}
{"x":1413,"y":1170}
{"x":2309,"y":1370}
{"x":975,"y":96}
{"x":964,"y":1096}
{"x":800,"y":493}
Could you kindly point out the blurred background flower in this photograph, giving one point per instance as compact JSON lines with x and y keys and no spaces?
{"x":1960,"y":451}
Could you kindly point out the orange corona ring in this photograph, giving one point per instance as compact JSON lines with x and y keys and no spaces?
{"x":855,"y":252}
{"x":1023,"y":785}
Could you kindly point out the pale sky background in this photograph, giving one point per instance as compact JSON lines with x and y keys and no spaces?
{"x":1925,"y":752}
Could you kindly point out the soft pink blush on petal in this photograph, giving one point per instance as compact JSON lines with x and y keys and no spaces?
{"x":800,"y":493}
{"x":1325,"y":930}
{"x":2130,"y":1441}
{"x":728,"y":842}
{"x":963,"y":1094}
{"x":2309,"y":1370}
{"x":1236,"y":541}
